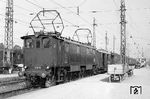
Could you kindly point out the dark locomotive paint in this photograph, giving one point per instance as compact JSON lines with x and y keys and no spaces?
{"x":60,"y":53}
{"x":61,"y":58}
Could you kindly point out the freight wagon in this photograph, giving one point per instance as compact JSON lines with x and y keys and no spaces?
{"x":118,"y":71}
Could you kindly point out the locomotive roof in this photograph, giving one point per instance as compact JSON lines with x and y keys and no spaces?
{"x":76,"y":42}
{"x":60,"y":38}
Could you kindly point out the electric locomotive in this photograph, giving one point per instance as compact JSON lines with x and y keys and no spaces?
{"x":50,"y":58}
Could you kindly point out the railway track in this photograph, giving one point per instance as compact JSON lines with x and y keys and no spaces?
{"x":17,"y":92}
{"x":15,"y":86}
{"x":12,"y":86}
{"x":8,"y":81}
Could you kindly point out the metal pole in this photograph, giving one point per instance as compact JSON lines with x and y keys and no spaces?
{"x":114,"y":38}
{"x":106,"y":41}
{"x":78,"y":11}
{"x":94,"y":34}
{"x":8,"y":39}
{"x":123,"y":32}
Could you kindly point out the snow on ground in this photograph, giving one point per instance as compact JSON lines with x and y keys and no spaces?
{"x":141,"y":77}
{"x":96,"y":87}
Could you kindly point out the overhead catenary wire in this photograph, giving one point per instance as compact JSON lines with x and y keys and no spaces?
{"x":70,"y":11}
{"x":134,"y":38}
{"x":15,"y":19}
{"x":63,"y":7}
{"x":83,"y":2}
{"x":130,"y":18}
{"x":115,"y":4}
{"x":54,"y":7}
{"x":32,"y":11}
{"x":34,"y":4}
{"x":20,"y":13}
{"x":18,"y":6}
{"x":132,"y":26}
{"x":43,"y":7}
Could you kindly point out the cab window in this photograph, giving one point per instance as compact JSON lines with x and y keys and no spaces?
{"x":93,"y":51}
{"x":46,"y":42}
{"x":87,"y":50}
{"x":38,"y":44}
{"x":67,"y":47}
{"x":78,"y":49}
{"x":29,"y":43}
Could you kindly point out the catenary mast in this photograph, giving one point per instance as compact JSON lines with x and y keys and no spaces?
{"x":8,"y":37}
{"x":123,"y":32}
{"x":94,"y":34}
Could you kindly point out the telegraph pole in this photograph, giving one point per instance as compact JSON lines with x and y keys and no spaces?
{"x":78,"y":11}
{"x":114,"y":38}
{"x":142,"y":53}
{"x":94,"y":34}
{"x":106,"y":41}
{"x":123,"y":32}
{"x":8,"y":39}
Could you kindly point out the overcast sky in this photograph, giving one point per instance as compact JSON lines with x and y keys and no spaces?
{"x":107,"y":20}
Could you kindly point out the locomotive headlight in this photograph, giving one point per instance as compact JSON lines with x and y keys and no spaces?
{"x":43,"y":75}
{"x":20,"y":74}
{"x":25,"y":67}
{"x":47,"y":67}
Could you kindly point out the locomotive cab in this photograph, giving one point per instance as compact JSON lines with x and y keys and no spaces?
{"x":37,"y":48}
{"x":39,"y":56}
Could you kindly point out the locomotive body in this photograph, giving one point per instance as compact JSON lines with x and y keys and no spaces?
{"x":58,"y":59}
